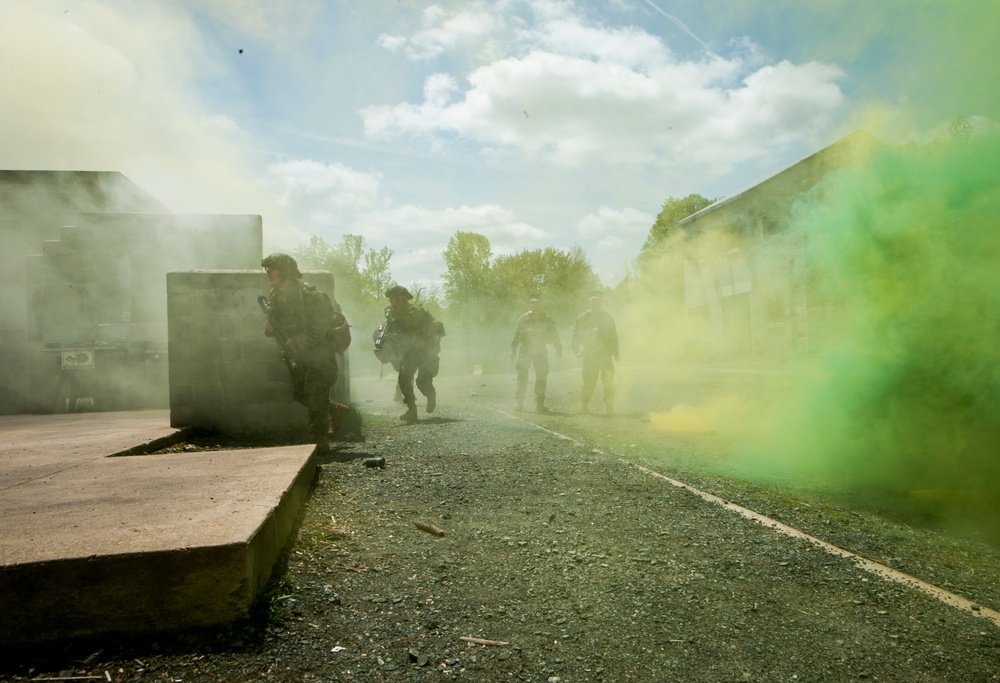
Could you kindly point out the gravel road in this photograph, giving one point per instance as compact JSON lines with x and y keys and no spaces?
{"x":559,"y":560}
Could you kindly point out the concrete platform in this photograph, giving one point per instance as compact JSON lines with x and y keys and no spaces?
{"x":93,"y":544}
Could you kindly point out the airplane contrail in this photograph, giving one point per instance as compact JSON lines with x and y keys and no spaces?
{"x":682,"y":26}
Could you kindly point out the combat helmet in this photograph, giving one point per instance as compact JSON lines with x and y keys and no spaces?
{"x":400,"y":291}
{"x":284,"y":264}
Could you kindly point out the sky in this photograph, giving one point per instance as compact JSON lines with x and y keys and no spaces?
{"x":533,"y":122}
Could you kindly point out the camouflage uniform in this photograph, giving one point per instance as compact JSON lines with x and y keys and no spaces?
{"x":595,"y":339}
{"x":418,"y":335}
{"x":533,"y":334}
{"x":302,"y":317}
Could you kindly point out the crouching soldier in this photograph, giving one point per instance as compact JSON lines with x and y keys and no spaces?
{"x":301,"y":319}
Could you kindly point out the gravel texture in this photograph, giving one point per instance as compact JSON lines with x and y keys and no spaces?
{"x":568,"y":563}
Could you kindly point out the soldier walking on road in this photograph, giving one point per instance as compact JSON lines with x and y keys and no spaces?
{"x":301,"y":319}
{"x":534,"y":332}
{"x":418,"y":334}
{"x":595,"y":339}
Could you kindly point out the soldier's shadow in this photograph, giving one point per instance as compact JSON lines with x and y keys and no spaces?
{"x":524,"y":412}
{"x":430,"y":421}
{"x":341,"y":453}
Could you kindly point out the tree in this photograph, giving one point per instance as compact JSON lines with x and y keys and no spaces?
{"x":375,"y":277}
{"x":467,"y":257}
{"x":562,"y":278}
{"x":960,"y":130}
{"x":674,"y":210}
{"x":361,"y":275}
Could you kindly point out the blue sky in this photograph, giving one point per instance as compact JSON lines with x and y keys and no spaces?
{"x":534,"y":122}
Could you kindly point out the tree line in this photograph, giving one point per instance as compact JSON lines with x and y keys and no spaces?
{"x":483,"y":293}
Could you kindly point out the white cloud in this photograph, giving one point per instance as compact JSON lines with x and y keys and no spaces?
{"x":617,"y":234}
{"x":630,"y":47}
{"x":576,"y":94}
{"x":466,"y":30}
{"x":608,"y":221}
{"x":312,"y":186}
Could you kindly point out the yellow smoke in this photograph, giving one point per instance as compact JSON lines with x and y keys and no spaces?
{"x":725,"y":414}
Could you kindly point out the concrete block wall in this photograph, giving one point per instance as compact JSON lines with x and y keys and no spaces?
{"x":225,"y":375}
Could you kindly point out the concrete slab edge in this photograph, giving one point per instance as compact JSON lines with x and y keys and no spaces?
{"x":149,"y":593}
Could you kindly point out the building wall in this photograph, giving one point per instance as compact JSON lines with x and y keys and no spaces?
{"x":34,"y":206}
{"x":749,"y":286}
{"x":225,"y":375}
{"x":100,"y":289}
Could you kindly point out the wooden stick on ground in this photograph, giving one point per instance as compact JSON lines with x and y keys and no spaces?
{"x":482,"y":641}
{"x":429,"y":528}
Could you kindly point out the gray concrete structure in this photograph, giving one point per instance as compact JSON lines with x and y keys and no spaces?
{"x":83,"y":292}
{"x":34,"y":205}
{"x":748,"y":287}
{"x":225,"y":374}
{"x":94,"y":545}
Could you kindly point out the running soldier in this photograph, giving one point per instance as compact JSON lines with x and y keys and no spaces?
{"x":418,"y":334}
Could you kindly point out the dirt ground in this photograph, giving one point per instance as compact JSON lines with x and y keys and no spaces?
{"x":495,"y":545}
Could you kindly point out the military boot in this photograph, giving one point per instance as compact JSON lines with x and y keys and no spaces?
{"x":411,"y":413}
{"x":431,"y":400}
{"x":338,"y":415}
{"x":322,"y":444}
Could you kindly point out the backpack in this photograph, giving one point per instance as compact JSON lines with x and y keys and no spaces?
{"x":340,"y":333}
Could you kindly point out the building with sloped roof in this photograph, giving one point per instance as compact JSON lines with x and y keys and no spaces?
{"x":748,"y":286}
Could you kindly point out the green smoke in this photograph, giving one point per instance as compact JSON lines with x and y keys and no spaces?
{"x":906,"y":259}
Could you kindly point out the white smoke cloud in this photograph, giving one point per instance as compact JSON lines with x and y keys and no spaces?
{"x":112,"y":86}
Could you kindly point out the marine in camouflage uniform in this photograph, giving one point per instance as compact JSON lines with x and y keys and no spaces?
{"x":535,"y":330}
{"x":595,"y":339}
{"x":301,"y":319}
{"x":418,"y":334}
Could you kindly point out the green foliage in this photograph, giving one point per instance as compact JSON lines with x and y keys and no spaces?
{"x":361,"y":275}
{"x":562,"y":278}
{"x":960,"y":130}
{"x":467,"y":257}
{"x":483,"y":298}
{"x":674,"y":211}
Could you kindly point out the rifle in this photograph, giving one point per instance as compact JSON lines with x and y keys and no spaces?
{"x":287,"y":357}
{"x":382,"y":331}
{"x":387,"y":345}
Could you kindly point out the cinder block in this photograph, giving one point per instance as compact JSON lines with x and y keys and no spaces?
{"x":276,"y":371}
{"x":217,"y":340}
{"x":265,"y":392}
{"x":286,"y":415}
{"x":180,"y":395}
{"x":261,"y":348}
{"x":202,"y":373}
{"x":182,"y":416}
